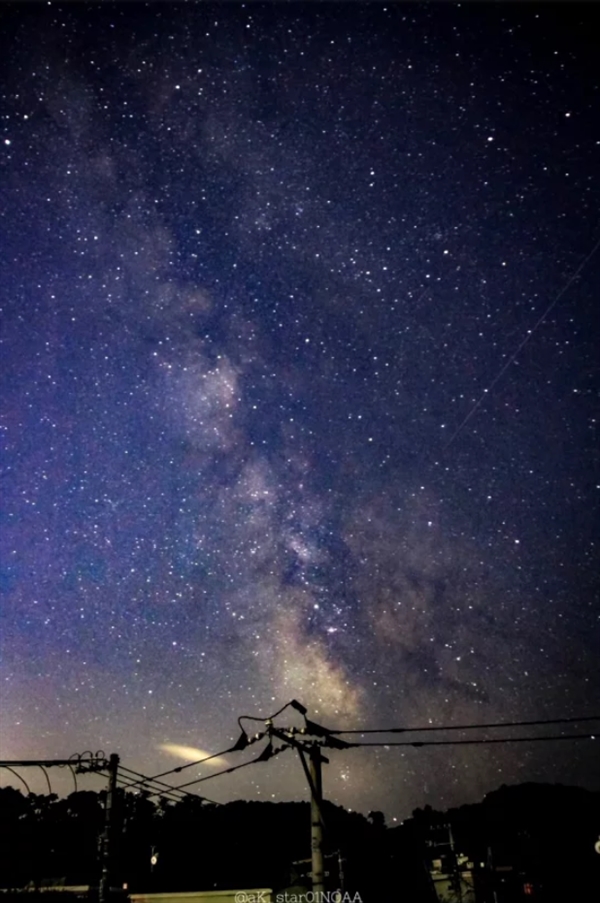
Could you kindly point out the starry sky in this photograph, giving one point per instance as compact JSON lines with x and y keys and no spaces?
{"x":265,"y":270}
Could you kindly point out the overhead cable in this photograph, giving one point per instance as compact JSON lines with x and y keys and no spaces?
{"x":474,"y":742}
{"x":208,"y":777}
{"x":467,"y":727}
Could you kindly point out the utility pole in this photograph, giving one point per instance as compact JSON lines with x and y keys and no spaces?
{"x":106,"y":847}
{"x":316,"y":820}
{"x":312,"y":770}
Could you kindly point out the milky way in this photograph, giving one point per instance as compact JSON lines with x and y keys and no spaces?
{"x":258,"y":266}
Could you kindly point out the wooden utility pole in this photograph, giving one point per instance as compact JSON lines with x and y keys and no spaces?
{"x":316,"y":819}
{"x":107,"y":838}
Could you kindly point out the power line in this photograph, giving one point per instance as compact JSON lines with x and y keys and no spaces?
{"x":418,"y":743}
{"x":73,"y":775}
{"x":180,"y":768}
{"x":45,"y":773}
{"x":467,"y":727}
{"x":82,"y":763}
{"x":18,"y":776}
{"x":163,"y":788}
{"x":241,"y":743}
{"x":126,"y":783}
{"x":172,"y":796}
{"x":86,"y":761}
{"x":261,"y":758}
{"x":171,"y":787}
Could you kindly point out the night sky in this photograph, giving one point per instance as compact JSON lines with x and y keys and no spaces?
{"x":258,"y":265}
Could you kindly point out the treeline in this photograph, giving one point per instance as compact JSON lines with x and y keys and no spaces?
{"x":541,"y":835}
{"x":196,"y":846}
